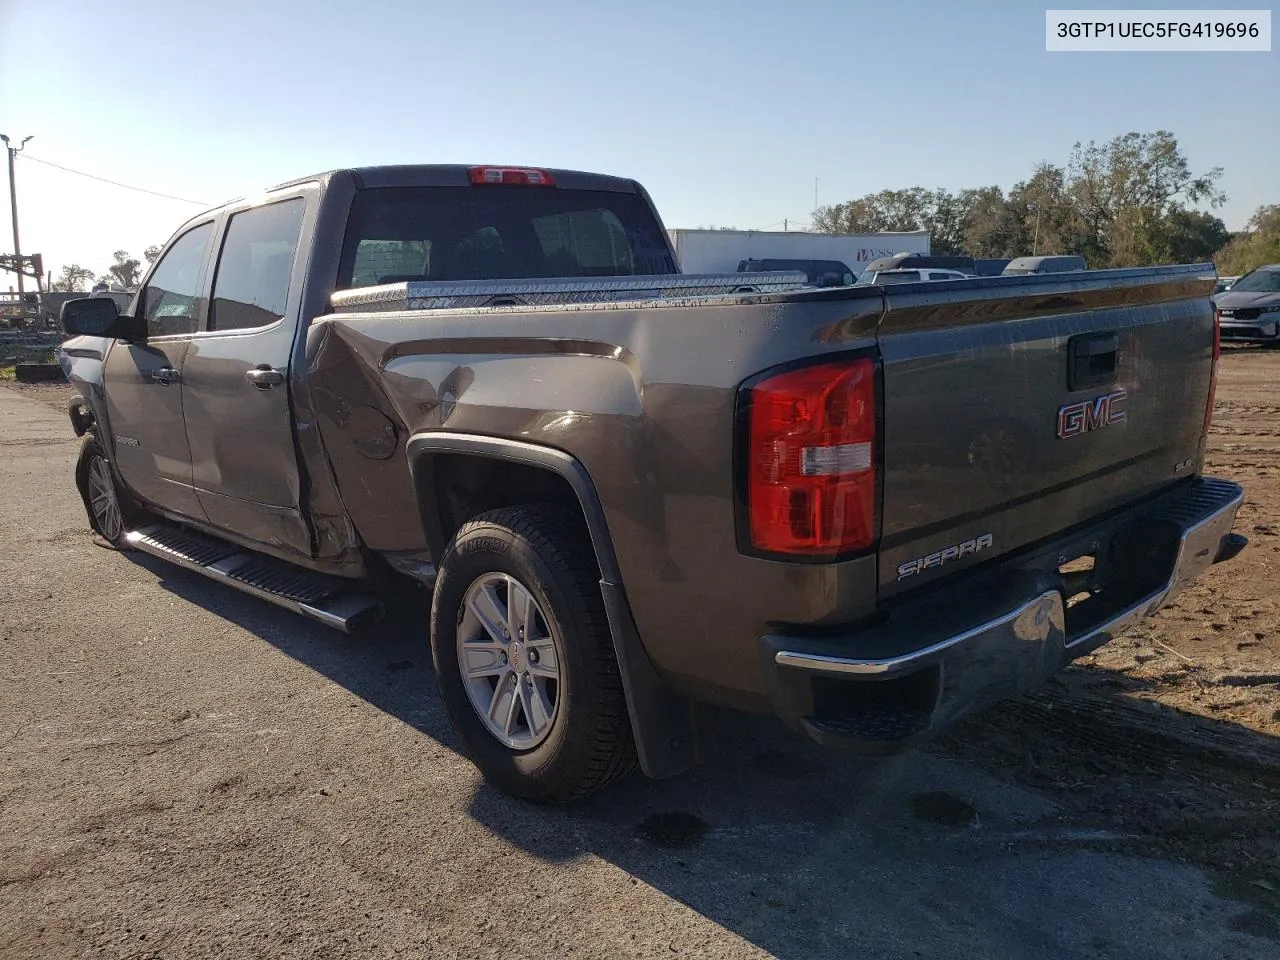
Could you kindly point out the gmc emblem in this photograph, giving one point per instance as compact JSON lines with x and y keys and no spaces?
{"x":1087,"y":415}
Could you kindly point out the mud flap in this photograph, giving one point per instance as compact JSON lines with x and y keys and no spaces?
{"x":664,"y":725}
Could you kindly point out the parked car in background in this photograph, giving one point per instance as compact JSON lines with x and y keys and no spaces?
{"x":821,"y":273}
{"x":989,"y":266}
{"x":1250,"y":308}
{"x":1026,"y":266}
{"x":915,"y":261}
{"x":1224,"y":284}
{"x":883,"y":277}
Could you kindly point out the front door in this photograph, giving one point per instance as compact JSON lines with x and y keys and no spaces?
{"x":236,"y":381}
{"x":142,"y":382}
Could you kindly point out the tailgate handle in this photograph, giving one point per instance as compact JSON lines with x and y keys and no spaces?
{"x":1091,"y":360}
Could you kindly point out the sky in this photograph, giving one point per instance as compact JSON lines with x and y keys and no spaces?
{"x":727,"y":112}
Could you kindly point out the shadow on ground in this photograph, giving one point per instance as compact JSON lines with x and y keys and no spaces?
{"x":978,"y":844}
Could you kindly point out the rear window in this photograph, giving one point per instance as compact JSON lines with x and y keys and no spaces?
{"x":903,"y":276}
{"x":496,"y":233}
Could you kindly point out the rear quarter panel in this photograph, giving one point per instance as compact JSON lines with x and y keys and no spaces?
{"x":644,"y":398}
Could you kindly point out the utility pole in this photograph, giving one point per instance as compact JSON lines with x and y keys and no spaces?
{"x":13,"y":208}
{"x":1035,"y":240}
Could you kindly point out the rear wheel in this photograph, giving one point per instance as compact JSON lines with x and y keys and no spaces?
{"x":524,"y":658}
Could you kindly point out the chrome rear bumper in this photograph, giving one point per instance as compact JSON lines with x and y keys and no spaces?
{"x":1029,"y":636}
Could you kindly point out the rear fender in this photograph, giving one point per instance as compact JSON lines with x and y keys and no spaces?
{"x":662,"y":723}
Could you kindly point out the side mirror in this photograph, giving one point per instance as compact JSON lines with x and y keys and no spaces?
{"x":98,"y":317}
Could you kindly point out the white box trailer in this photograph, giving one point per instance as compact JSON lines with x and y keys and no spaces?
{"x":721,"y":251}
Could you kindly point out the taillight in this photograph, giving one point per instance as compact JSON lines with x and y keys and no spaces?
{"x":1213,"y":373}
{"x":526,"y":176}
{"x":811,"y":481}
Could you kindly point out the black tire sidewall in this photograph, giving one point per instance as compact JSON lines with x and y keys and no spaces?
{"x":490,"y":548}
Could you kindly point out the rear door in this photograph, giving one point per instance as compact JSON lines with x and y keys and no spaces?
{"x":143,"y":381}
{"x":245,"y":468}
{"x":1014,"y":410}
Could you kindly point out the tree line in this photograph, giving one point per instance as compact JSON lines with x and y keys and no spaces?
{"x":1127,"y":202}
{"x":125,"y":271}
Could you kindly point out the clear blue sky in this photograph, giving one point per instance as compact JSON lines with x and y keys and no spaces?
{"x":725,"y":110}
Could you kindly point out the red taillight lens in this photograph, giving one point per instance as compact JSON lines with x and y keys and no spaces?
{"x":525,"y":176}
{"x":1213,"y":375}
{"x":811,"y":482}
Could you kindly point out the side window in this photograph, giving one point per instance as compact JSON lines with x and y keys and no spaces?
{"x":251,"y":285}
{"x":169,"y":303}
{"x":942,"y":276}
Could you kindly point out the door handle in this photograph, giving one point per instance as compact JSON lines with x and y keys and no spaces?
{"x":1092,"y":360}
{"x":165,"y":375}
{"x":264,"y":377}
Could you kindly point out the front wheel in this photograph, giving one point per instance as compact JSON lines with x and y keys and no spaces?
{"x":524,"y":658}
{"x":109,"y":509}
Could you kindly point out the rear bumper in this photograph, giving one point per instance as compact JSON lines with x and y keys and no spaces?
{"x":930,"y":661}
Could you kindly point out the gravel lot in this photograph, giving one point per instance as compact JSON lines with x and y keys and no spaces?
{"x":187,"y":772}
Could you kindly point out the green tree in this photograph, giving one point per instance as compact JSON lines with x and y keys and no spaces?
{"x":1259,"y":244}
{"x":939,"y":211}
{"x":1123,"y":191}
{"x":1125,"y":202}
{"x":126,"y":270}
{"x":1047,"y":221}
{"x":72,"y":278}
{"x":1192,"y":236}
{"x":992,"y":225}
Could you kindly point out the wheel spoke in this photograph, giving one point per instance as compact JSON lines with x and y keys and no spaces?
{"x":513,"y":707}
{"x":537,"y":709}
{"x":483,"y":660}
{"x":485,"y":607}
{"x":520,"y":610}
{"x":545,"y":665}
{"x":503,"y":705}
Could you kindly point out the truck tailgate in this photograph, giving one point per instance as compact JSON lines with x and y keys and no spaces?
{"x":1015,"y":409}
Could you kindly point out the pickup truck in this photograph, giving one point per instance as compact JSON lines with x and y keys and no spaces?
{"x":630,"y":493}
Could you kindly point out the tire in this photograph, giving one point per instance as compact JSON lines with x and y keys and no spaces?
{"x":111,"y":511}
{"x":565,"y":737}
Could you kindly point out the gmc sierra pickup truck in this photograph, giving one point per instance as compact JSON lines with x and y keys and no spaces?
{"x":630,"y":492}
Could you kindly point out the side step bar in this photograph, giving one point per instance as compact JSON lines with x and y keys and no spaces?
{"x":333,"y":601}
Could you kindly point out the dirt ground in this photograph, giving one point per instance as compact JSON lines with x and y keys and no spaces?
{"x":185,"y":772}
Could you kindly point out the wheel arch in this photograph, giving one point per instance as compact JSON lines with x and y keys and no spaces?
{"x":428,"y":452}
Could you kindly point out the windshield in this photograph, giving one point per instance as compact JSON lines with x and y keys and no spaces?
{"x":1260,"y":281}
{"x":484,"y":233}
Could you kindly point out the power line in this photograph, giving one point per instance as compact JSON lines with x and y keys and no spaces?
{"x":114,"y":183}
